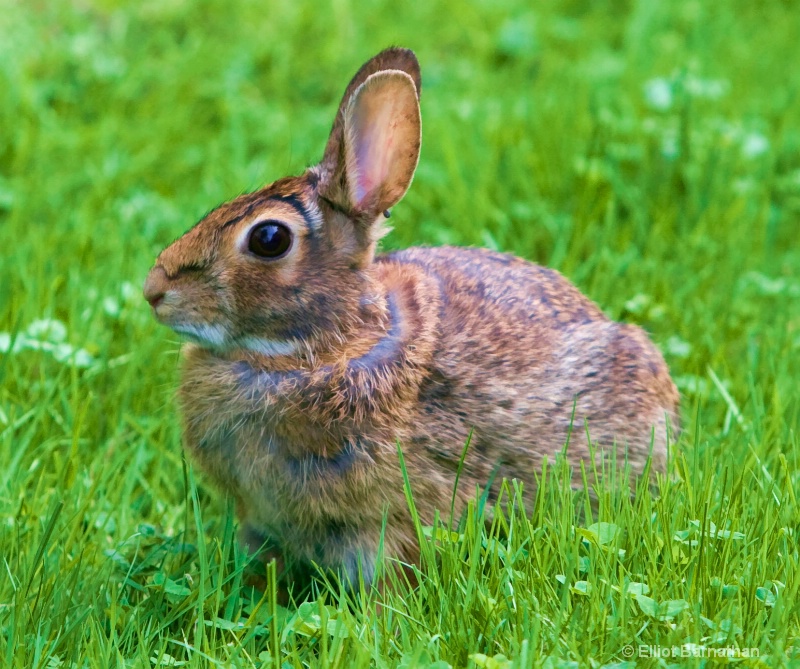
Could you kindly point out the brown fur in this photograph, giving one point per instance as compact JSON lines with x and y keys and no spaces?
{"x":422,"y":346}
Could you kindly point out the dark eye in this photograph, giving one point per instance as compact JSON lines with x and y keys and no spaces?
{"x":270,"y":240}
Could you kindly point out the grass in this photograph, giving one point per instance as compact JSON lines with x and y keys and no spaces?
{"x":649,"y":151}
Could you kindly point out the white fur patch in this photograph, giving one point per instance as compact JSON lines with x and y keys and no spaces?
{"x":213,"y":335}
{"x":269,"y":347}
{"x":216,"y":337}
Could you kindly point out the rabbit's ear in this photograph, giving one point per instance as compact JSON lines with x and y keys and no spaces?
{"x":381,"y":141}
{"x":393,"y":58}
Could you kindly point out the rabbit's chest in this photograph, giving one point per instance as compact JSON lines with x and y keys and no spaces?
{"x":281,"y":471}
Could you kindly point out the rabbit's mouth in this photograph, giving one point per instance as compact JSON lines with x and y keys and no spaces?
{"x":167,"y":312}
{"x":183,"y":316}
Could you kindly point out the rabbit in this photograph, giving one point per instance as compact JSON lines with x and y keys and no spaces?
{"x":310,"y":357}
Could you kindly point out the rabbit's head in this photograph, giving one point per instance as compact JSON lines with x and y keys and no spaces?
{"x":272,"y":270}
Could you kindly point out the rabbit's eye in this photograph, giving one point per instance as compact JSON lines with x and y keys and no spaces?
{"x":270,"y":240}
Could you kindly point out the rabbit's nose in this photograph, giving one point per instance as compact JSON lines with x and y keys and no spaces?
{"x":154,"y":289}
{"x":155,"y":299}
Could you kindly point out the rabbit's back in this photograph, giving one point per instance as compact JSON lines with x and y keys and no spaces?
{"x":524,"y":362}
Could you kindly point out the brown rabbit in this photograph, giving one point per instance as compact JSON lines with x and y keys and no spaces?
{"x":311,"y":358}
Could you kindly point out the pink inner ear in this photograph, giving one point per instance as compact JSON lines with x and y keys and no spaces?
{"x":381,"y":139}
{"x":374,"y":143}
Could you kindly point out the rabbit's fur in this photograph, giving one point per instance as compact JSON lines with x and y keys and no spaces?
{"x":305,"y":371}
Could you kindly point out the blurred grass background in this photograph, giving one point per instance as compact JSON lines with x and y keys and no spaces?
{"x":649,"y":151}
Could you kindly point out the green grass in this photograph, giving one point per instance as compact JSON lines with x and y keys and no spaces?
{"x":649,"y":151}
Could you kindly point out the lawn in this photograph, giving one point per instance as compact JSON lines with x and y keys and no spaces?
{"x":648,"y":151}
